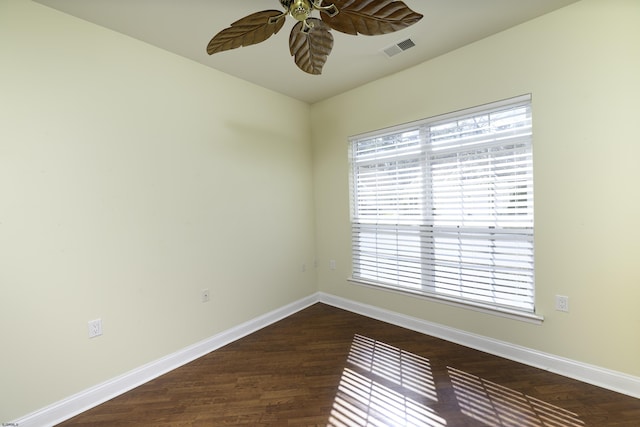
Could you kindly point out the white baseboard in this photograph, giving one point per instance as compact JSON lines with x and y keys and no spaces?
{"x":601,"y":377}
{"x":94,"y":396}
{"x":87,"y":399}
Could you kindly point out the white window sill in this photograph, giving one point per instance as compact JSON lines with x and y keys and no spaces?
{"x":482,"y":308}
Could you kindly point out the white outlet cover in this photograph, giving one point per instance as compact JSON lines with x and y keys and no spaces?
{"x":562,"y":303}
{"x":95,"y":328}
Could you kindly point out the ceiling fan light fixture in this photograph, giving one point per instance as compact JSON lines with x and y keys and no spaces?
{"x":300,"y":9}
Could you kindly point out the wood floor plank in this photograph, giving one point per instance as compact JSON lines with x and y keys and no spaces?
{"x":328,"y":367}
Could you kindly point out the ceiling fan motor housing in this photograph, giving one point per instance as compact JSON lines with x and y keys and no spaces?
{"x":299,"y":9}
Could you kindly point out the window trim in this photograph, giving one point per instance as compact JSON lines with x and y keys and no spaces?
{"x":523,"y":316}
{"x":504,"y":311}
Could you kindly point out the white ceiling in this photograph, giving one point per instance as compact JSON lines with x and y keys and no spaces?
{"x":186,"y":26}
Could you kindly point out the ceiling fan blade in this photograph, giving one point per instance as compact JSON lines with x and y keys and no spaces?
{"x":370,"y":17}
{"x":311,"y":47}
{"x":249,"y":30}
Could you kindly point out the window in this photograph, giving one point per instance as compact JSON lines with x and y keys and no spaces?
{"x":443,"y":207}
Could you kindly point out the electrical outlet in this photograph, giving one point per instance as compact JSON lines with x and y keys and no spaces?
{"x":562,"y":303}
{"x":204,"y":296}
{"x":332,"y":264}
{"x":95,"y":328}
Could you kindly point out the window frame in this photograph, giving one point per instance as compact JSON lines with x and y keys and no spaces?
{"x":420,"y":156}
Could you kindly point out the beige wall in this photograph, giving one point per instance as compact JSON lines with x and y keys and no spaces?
{"x":130,"y":179}
{"x":582,"y":66}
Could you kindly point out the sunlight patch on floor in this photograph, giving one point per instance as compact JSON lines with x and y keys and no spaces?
{"x":497,"y":405}
{"x":384,"y":386}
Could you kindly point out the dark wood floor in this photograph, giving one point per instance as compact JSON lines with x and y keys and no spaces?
{"x":327,"y":367}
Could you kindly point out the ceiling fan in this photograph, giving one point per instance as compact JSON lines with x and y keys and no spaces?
{"x":310,"y":42}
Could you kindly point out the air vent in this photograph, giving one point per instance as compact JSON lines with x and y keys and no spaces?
{"x":399,"y":47}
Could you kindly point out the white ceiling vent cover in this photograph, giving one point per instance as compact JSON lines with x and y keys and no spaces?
{"x":399,"y":47}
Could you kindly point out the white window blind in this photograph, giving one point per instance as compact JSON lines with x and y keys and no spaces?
{"x":444,"y":206}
